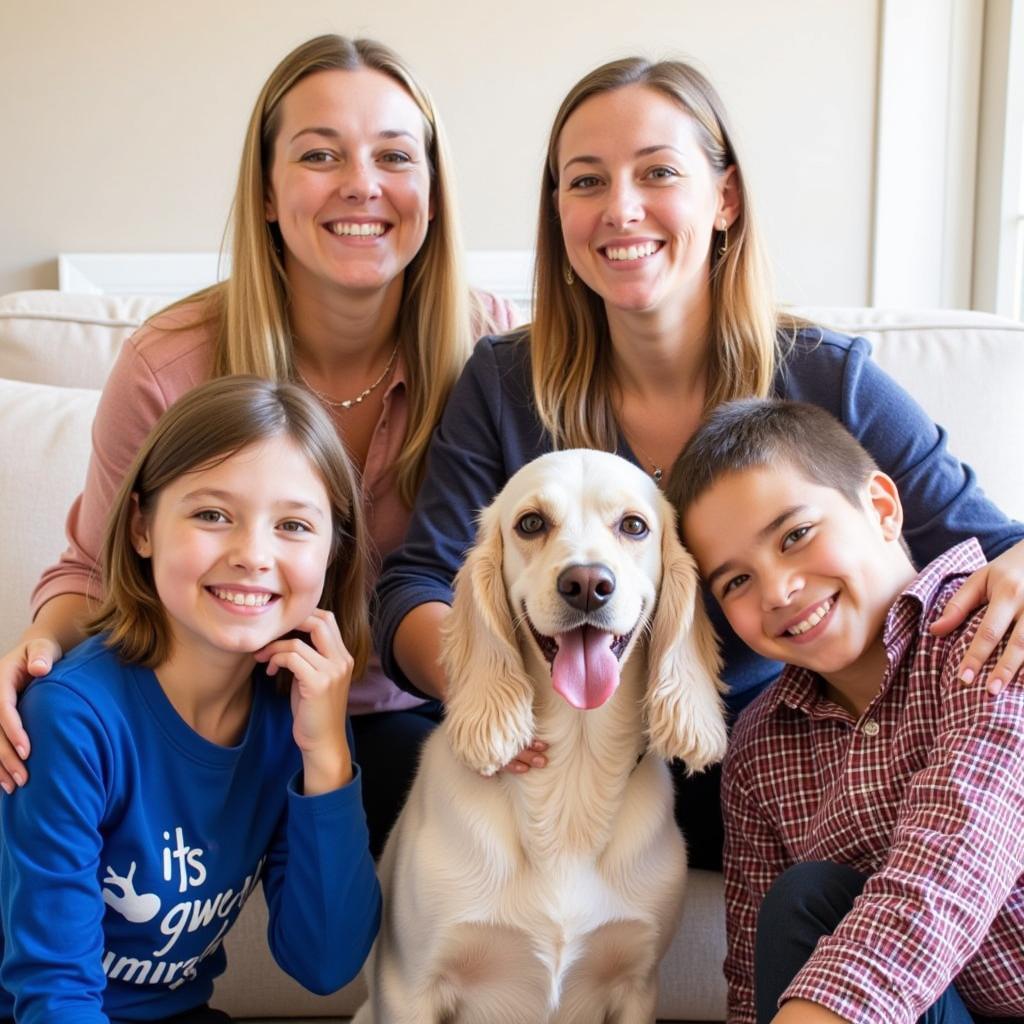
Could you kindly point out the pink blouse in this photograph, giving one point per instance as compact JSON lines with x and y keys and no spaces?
{"x":157,"y":365}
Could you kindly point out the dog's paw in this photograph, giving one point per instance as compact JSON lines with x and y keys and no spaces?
{"x":707,"y":746}
{"x":694,"y":732}
{"x":487,"y":742}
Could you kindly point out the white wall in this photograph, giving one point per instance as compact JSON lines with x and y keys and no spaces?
{"x":121,"y":120}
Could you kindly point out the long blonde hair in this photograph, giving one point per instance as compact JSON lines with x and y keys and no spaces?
{"x":206,"y":426}
{"x":250,"y":309}
{"x":570,"y":344}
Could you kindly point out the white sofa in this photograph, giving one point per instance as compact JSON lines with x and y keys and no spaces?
{"x":967,"y":370}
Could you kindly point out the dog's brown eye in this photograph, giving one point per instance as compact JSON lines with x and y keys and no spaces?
{"x":530,"y":525}
{"x":634,"y":526}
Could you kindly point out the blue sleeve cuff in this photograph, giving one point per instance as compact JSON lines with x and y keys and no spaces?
{"x":343,"y":799}
{"x":385,"y":623}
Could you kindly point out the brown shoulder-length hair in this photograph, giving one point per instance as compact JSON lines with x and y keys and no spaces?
{"x":202,"y":429}
{"x":250,"y":309}
{"x":570,"y":344}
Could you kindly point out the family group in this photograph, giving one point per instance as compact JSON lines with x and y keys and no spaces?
{"x":234,"y":665}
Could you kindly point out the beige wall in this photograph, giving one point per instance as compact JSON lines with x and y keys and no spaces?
{"x":121,"y":120}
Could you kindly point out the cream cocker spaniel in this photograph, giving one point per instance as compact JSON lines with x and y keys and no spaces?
{"x":552,"y":895}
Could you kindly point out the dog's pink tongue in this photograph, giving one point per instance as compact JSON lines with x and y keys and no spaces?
{"x":585,"y":672}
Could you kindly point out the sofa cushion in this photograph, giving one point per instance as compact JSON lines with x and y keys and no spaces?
{"x":46,"y":441}
{"x":50,"y":337}
{"x":965,"y":369}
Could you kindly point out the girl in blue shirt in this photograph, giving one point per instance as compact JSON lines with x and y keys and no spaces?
{"x":171,"y":776}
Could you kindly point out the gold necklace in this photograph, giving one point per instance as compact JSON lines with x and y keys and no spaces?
{"x":656,"y":471}
{"x":347,"y":403}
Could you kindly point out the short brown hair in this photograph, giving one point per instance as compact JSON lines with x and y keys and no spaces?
{"x":755,"y":432}
{"x":205,"y":427}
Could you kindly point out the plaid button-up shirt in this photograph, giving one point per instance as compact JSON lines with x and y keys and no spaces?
{"x":924,"y":793}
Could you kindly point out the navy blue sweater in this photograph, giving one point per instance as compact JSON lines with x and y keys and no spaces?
{"x":490,"y":429}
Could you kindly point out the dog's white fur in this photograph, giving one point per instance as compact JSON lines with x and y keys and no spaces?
{"x":552,"y":895}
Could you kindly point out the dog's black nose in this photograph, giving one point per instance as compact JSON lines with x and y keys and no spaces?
{"x":586,"y":587}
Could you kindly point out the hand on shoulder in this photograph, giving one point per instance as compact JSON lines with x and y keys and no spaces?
{"x":31,"y":658}
{"x":1000,"y":584}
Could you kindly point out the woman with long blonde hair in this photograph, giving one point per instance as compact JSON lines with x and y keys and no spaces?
{"x":346,"y":277}
{"x":653,"y":305}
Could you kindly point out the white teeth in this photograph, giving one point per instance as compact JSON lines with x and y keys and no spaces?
{"x":631,"y":252}
{"x":248,"y":600}
{"x":344,"y":228}
{"x":812,"y":620}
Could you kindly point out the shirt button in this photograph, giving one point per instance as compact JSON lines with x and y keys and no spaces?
{"x":870,"y":728}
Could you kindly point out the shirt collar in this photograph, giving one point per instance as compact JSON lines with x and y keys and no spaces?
{"x":962,"y":560}
{"x":798,"y":688}
{"x":397,"y":374}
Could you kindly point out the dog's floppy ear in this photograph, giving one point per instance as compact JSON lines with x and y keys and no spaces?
{"x":489,"y":713}
{"x":684,"y":706}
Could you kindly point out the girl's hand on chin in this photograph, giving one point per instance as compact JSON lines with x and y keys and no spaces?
{"x":321,"y":676}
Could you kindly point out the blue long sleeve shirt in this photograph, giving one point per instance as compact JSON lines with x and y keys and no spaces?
{"x":490,"y":429}
{"x":129,"y":853}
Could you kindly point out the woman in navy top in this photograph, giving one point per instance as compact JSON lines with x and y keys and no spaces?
{"x":652,"y":306}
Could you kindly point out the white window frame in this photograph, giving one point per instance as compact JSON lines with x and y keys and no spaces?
{"x":999,"y":212}
{"x":926,"y":139}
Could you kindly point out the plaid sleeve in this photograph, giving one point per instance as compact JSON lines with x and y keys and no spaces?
{"x":957,"y":851}
{"x":754,"y":857}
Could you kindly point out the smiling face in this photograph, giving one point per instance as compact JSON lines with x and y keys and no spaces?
{"x":238,"y":550}
{"x":349,"y":182}
{"x":802,"y":575}
{"x":638,"y":201}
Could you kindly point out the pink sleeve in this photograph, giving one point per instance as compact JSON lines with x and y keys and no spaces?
{"x":502,"y":315}
{"x":132,"y":401}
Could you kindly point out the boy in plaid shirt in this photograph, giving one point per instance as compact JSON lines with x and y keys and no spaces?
{"x":874,"y":804}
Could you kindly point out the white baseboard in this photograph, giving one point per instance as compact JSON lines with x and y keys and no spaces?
{"x":507,"y":273}
{"x":167,"y":274}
